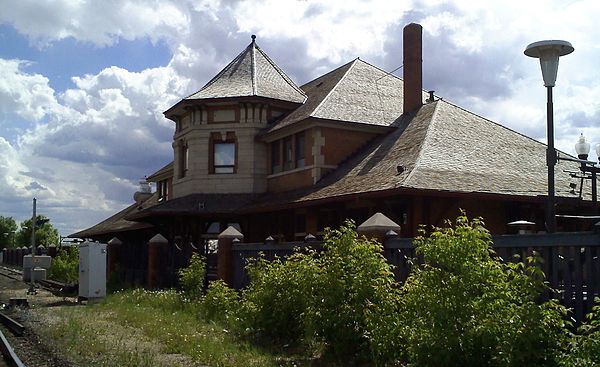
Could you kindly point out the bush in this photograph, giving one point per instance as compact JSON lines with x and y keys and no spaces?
{"x":65,"y":266}
{"x":279,"y":293}
{"x":464,"y":307}
{"x":355,"y":279}
{"x":584,"y":349}
{"x":192,"y":277}
{"x":322,"y":298}
{"x":220,"y":303}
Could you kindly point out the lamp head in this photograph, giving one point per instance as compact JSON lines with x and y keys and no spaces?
{"x":582,"y":148}
{"x":548,"y":52}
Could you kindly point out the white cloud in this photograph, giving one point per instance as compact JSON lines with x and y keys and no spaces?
{"x":27,"y":95}
{"x":98,"y":22}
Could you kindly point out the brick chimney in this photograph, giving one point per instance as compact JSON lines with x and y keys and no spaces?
{"x":413,"y":67}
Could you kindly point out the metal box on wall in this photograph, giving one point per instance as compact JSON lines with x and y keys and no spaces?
{"x":92,"y":270}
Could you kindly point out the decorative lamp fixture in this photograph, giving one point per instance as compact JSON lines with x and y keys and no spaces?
{"x":583,"y":148}
{"x":548,"y":52}
{"x":589,"y":169}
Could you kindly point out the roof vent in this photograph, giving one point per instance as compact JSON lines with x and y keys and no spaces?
{"x":431,"y":96}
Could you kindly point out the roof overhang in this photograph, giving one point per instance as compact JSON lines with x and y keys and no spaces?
{"x":180,"y":107}
{"x":270,"y":136}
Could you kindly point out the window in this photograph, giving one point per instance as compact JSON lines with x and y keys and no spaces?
{"x":183,"y":158}
{"x":288,"y":158}
{"x":288,"y":153}
{"x":275,"y":157}
{"x":300,"y":155}
{"x":224,"y":157}
{"x":163,"y":190}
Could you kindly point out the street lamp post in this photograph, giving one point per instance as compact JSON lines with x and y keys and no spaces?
{"x":548,"y":52}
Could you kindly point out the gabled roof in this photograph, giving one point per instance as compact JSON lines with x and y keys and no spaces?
{"x":196,"y":204}
{"x":115,"y":223}
{"x":355,"y":92}
{"x":165,"y":171}
{"x":251,"y":73}
{"x":441,"y":148}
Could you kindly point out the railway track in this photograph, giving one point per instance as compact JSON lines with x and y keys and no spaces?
{"x":11,"y":331}
{"x":9,"y":328}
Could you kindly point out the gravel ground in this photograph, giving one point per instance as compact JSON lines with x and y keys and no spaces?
{"x":32,"y":351}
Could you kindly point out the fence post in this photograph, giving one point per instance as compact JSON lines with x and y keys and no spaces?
{"x":225,"y":253}
{"x":154,"y":246}
{"x":111,"y":258}
{"x":377,"y":227}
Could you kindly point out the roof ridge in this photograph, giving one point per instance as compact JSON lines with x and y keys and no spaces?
{"x":285,"y":77}
{"x":327,"y":73}
{"x":424,"y":141}
{"x":314,"y":111}
{"x":382,"y":70}
{"x":253,"y":66}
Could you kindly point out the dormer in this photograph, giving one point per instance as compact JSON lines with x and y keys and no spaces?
{"x":163,"y":179}
{"x":215,"y":146}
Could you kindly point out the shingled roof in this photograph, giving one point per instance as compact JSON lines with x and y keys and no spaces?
{"x":116,"y":223}
{"x":442,"y":147}
{"x":251,"y":73}
{"x":196,"y":204}
{"x":357,"y":92}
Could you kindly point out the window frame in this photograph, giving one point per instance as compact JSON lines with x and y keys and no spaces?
{"x":224,"y":168}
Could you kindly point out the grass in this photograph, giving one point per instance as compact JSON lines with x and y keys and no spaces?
{"x":143,"y":328}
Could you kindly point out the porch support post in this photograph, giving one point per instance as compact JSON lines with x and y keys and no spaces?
{"x":154,"y":252}
{"x":225,"y":253}
{"x":111,"y":258}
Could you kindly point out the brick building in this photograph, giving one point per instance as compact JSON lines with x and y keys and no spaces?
{"x":254,"y":150}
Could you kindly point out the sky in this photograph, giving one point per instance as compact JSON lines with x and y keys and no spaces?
{"x":83,"y":84}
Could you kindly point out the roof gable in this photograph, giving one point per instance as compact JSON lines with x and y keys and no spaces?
{"x":355,"y":92}
{"x":251,"y":73}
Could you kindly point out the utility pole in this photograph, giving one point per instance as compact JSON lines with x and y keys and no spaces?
{"x":31,"y":276}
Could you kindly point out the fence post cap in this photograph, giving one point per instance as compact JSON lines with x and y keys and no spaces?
{"x":309,"y":238}
{"x":378,"y":222}
{"x":231,"y":232}
{"x":115,"y":241}
{"x":158,"y":239}
{"x":391,"y":233}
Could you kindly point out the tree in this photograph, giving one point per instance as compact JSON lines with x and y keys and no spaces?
{"x":8,"y":228}
{"x":45,"y":233}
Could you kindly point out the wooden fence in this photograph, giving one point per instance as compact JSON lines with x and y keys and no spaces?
{"x":570,"y":261}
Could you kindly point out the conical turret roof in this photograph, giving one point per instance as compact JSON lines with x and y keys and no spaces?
{"x":251,"y":73}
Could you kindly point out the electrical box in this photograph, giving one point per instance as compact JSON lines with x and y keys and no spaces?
{"x":39,"y":261}
{"x":92,"y":270}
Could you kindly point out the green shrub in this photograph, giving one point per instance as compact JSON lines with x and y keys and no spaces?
{"x":65,"y":266}
{"x":464,"y":307}
{"x":192,"y":277}
{"x":323,"y":298}
{"x":220,"y":303}
{"x":584,"y":349}
{"x":354,"y":279}
{"x":279,"y":293}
